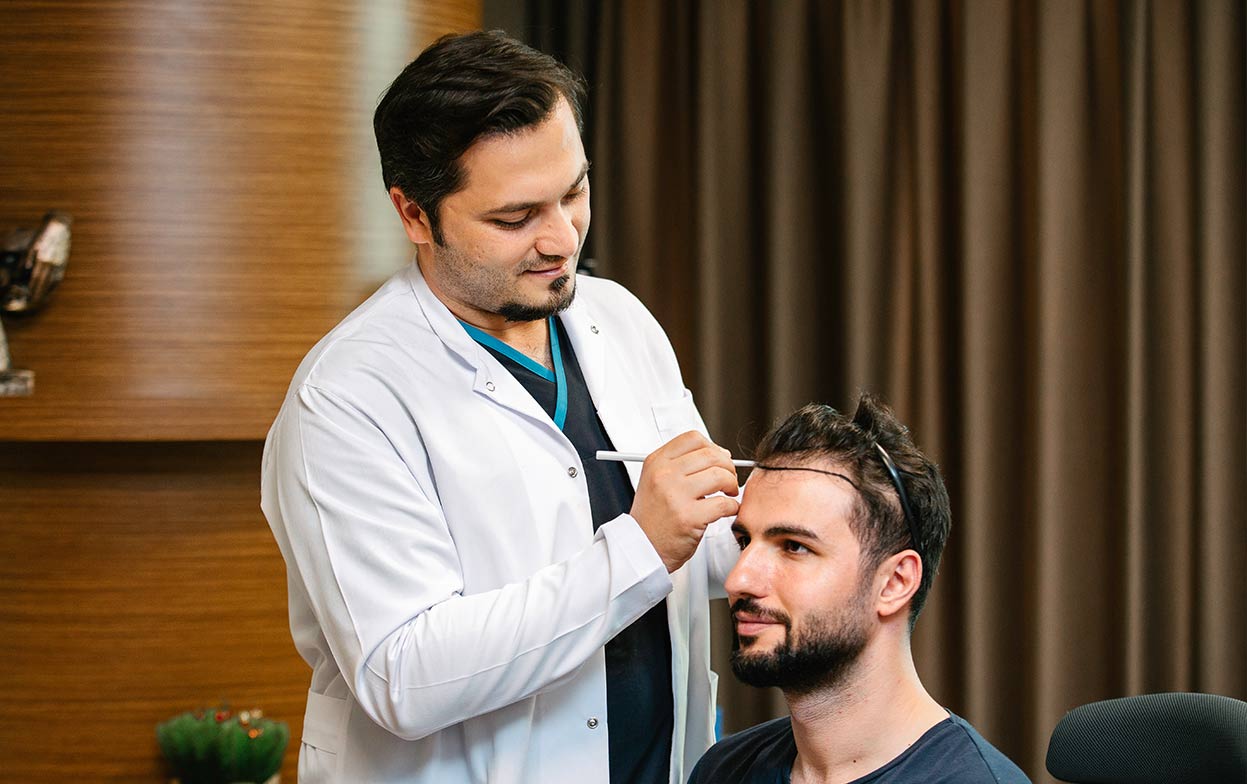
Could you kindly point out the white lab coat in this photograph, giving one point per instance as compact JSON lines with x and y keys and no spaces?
{"x":445,"y":582}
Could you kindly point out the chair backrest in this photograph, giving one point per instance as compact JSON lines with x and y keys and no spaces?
{"x":1152,"y":739}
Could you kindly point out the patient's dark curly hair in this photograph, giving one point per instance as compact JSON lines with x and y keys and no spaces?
{"x":821,"y":433}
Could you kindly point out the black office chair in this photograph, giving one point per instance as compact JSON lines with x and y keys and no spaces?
{"x":1152,"y":739}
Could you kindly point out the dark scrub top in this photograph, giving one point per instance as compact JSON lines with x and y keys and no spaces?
{"x":640,"y":711}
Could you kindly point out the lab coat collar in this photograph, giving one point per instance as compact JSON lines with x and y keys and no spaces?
{"x":443,"y":322}
{"x":491,"y":379}
{"x":614,"y":397}
{"x":578,"y":320}
{"x":588,"y":343}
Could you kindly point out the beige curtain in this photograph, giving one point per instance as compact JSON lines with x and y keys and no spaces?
{"x":1023,"y":224}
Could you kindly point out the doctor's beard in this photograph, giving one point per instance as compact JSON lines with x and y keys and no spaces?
{"x":494,"y":289}
{"x":562,"y":292}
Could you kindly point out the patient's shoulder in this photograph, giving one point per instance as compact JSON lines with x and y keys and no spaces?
{"x":759,"y":754}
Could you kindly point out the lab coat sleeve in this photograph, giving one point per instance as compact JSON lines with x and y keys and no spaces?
{"x":382,"y":572}
{"x":722,"y":552}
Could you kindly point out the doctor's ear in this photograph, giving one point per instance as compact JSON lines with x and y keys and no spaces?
{"x":415,"y":220}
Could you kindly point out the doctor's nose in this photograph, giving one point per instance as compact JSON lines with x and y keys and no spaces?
{"x":560,"y":236}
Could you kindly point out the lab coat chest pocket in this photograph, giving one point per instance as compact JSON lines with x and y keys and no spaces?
{"x":677,"y":416}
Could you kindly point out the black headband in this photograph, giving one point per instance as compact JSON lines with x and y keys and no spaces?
{"x":910,"y":519}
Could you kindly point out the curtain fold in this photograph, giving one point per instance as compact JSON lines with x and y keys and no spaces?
{"x":1221,"y":620}
{"x":1021,"y":223}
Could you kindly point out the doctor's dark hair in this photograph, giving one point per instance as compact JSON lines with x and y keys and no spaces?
{"x":819,"y":432}
{"x":461,"y":89}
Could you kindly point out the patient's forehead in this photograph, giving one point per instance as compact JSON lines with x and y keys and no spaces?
{"x":810,"y":493}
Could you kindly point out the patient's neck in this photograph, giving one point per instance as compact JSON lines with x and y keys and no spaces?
{"x":846,"y":730}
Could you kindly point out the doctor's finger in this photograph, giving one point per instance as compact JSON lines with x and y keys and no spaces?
{"x":709,"y":455}
{"x":682,"y":444}
{"x":716,"y":507}
{"x":713,"y":479}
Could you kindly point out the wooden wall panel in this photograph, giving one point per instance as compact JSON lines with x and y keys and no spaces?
{"x":218,"y":158}
{"x":137,"y":581}
{"x":219,"y":162}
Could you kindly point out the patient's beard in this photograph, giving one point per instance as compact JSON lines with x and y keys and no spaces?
{"x":822,"y":657}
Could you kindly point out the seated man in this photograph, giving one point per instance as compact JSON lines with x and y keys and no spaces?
{"x":841,"y":531}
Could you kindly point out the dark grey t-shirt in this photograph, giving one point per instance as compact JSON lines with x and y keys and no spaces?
{"x":951,"y":752}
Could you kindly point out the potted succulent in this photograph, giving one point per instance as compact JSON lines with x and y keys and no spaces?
{"x":222,"y":747}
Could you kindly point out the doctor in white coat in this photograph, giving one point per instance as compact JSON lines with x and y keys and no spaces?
{"x":446,"y":583}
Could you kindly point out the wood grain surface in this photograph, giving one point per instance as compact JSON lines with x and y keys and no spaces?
{"x":219,"y":161}
{"x":138,"y":581}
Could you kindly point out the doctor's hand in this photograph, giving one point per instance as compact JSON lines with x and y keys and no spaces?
{"x":676,"y":497}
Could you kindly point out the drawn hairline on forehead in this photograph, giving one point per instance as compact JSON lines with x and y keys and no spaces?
{"x":811,"y":469}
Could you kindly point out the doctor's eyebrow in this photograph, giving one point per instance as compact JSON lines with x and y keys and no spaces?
{"x":528,"y":205}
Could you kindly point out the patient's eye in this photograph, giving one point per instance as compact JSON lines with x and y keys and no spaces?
{"x":794,"y":547}
{"x":742,"y":541}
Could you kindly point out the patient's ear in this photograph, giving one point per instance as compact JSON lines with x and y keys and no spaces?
{"x":899,"y":576}
{"x":415,"y":220}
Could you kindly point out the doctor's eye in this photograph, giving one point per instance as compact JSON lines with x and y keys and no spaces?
{"x":512,"y":225}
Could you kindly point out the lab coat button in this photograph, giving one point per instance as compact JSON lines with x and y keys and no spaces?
{"x":572,"y":472}
{"x":489,"y":385}
{"x":592,"y":723}
{"x":594,"y":329}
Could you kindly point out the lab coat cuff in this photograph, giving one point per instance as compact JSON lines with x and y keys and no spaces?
{"x":641,"y":565}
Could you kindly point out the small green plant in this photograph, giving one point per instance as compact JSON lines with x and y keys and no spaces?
{"x":221,"y":747}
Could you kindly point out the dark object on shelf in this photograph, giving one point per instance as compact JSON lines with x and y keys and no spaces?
{"x":32,"y":263}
